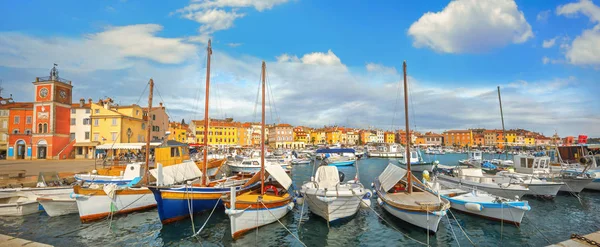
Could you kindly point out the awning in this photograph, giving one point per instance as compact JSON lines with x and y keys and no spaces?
{"x":278,"y":173}
{"x":86,"y":144}
{"x":390,"y":176}
{"x":126,"y":146}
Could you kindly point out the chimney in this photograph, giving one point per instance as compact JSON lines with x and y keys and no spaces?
{"x":90,"y":101}
{"x":81,"y":102}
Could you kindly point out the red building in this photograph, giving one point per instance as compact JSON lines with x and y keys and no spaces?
{"x":20,"y":128}
{"x":51,"y":117}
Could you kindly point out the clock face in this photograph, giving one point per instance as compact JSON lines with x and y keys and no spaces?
{"x":63,"y":94}
{"x":44,"y":92}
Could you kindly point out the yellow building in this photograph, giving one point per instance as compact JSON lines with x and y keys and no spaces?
{"x":220,"y":132}
{"x":317,"y":137}
{"x":117,"y":124}
{"x":332,"y":136}
{"x":178,"y":132}
{"x":420,"y":140}
{"x":389,"y":137}
{"x":529,"y":140}
{"x":300,"y":135}
{"x":511,"y":138}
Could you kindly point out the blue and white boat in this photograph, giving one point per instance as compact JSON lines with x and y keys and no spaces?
{"x":480,"y":203}
{"x":417,"y":163}
{"x":336,"y":157}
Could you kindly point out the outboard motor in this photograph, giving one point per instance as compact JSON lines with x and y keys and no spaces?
{"x":342,"y":176}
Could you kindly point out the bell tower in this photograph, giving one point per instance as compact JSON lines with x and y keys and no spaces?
{"x":51,"y":115}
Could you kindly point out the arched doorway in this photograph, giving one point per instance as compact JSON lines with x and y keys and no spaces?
{"x":20,"y":147}
{"x":42,"y":149}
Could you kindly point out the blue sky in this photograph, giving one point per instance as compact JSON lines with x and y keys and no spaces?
{"x":329,"y":62}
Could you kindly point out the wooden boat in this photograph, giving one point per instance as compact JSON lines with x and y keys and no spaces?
{"x":401,"y":194}
{"x":17,"y":204}
{"x":267,"y":204}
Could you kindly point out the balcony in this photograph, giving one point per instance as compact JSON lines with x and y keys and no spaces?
{"x":51,"y":78}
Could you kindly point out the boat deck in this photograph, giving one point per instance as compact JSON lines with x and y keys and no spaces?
{"x":415,"y":199}
{"x":266,"y":198}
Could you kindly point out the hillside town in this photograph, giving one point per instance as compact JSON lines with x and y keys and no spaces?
{"x":54,"y":126}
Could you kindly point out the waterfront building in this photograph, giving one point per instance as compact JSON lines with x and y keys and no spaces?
{"x":245,"y":134}
{"x":380,"y":136}
{"x":160,"y":122}
{"x":401,"y":135}
{"x":112,"y":124}
{"x":332,"y":136}
{"x":529,"y":139}
{"x":300,"y":135}
{"x":178,"y":132}
{"x":489,"y":138}
{"x":511,"y":137}
{"x":20,"y":124}
{"x":389,"y":137}
{"x":352,"y":137}
{"x":500,"y":140}
{"x":281,"y":136}
{"x":221,"y":132}
{"x":4,"y":112}
{"x":479,"y":140}
{"x":432,"y":139}
{"x":458,"y":138}
{"x":81,"y":130}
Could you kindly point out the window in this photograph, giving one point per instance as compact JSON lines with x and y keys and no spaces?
{"x":73,"y":121}
{"x":45,"y":130}
{"x":3,"y":137}
{"x":4,"y":124}
{"x":153,"y":116}
{"x":28,"y":132}
{"x":143,"y":126}
{"x":174,"y":152}
{"x":87,"y":111}
{"x":86,"y":121}
{"x":137,"y":112}
{"x":17,"y":119}
{"x":96,"y":136}
{"x":28,"y":120}
{"x":96,"y":122}
{"x":39,"y":128}
{"x":87,"y":135}
{"x":16,"y":131}
{"x":72,"y":136}
{"x":114,"y":136}
{"x":97,"y":111}
{"x":114,"y":122}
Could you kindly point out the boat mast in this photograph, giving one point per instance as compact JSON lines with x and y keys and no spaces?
{"x":502,"y":117}
{"x":148,"y":131}
{"x":408,"y":173}
{"x":206,"y":119}
{"x":262,"y":133}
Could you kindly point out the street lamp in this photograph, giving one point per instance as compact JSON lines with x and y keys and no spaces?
{"x":129,"y":134}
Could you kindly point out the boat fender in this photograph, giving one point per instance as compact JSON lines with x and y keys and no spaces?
{"x":439,"y":213}
{"x":368,"y":195}
{"x":72,"y":195}
{"x":373,"y":185}
{"x":299,"y":200}
{"x":290,"y":206}
{"x":524,"y":207}
{"x":366,"y":203}
{"x":234,"y":212}
{"x":475,"y":207}
{"x":342,"y":176}
{"x":426,"y":175}
{"x":272,"y":188}
{"x":379,"y":201}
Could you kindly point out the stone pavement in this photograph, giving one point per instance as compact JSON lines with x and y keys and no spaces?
{"x":65,"y":168}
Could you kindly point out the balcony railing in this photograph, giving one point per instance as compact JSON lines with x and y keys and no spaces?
{"x":50,"y":78}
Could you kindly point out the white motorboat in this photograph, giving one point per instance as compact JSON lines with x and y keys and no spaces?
{"x":573,"y":181}
{"x":537,"y":187}
{"x":300,"y":161}
{"x":417,"y":164}
{"x":132,"y":171}
{"x":474,"y":160}
{"x":331,"y":198}
{"x":17,"y":204}
{"x":470,"y":178}
{"x":252,"y":165}
{"x":387,"y":151}
{"x":482,"y":204}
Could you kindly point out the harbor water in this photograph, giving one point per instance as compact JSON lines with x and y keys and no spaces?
{"x":549,"y":221}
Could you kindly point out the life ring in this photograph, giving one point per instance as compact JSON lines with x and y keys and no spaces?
{"x":271,"y":187}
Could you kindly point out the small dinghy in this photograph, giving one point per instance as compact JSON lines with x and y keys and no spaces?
{"x":17,"y":204}
{"x":58,"y":205}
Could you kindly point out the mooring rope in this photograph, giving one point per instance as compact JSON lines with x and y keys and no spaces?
{"x":211,"y":213}
{"x":288,"y":230}
{"x":459,"y":226}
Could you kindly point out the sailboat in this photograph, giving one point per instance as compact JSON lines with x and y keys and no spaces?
{"x":176,"y":202}
{"x":264,"y":205}
{"x":401,"y":194}
{"x":101,"y":200}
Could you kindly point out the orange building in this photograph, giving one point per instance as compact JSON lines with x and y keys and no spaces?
{"x":500,"y":141}
{"x":20,"y":123}
{"x":458,"y":138}
{"x":401,"y":135}
{"x":479,"y":140}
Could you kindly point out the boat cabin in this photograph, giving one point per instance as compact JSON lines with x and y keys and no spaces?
{"x":171,"y":153}
{"x":476,"y":155}
{"x":531,"y":164}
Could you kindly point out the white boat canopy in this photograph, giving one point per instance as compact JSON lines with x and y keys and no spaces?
{"x":126,"y":146}
{"x":278,"y":173}
{"x":390,"y":176}
{"x":178,"y":173}
{"x":327,"y":177}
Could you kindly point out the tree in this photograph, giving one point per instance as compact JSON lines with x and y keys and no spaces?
{"x":182,"y":121}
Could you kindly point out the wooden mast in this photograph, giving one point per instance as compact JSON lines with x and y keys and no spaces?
{"x":262,"y":132}
{"x":148,"y":131}
{"x":408,"y":173}
{"x":502,"y":117}
{"x":206,"y":118}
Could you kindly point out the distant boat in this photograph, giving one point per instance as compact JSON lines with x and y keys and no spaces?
{"x":337,"y":156}
{"x":417,"y":163}
{"x":387,"y":151}
{"x":474,"y":160}
{"x":470,"y":178}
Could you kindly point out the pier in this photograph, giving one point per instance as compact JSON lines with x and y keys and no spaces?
{"x":14,"y":241}
{"x":575,"y":242}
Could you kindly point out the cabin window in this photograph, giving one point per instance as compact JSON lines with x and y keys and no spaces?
{"x":175,"y":152}
{"x":529,"y":163}
{"x":523,"y":162}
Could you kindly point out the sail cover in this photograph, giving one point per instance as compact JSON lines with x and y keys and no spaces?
{"x":278,"y":173}
{"x":178,"y":173}
{"x":390,"y":176}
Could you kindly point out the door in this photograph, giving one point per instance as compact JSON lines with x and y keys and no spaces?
{"x":41,"y":152}
{"x":20,"y":151}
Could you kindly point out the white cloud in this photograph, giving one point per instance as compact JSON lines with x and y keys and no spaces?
{"x":549,"y":43}
{"x":213,"y":19}
{"x":287,"y":58}
{"x":112,"y":48}
{"x":585,"y":48}
{"x":380,"y":68}
{"x":320,"y":58}
{"x":545,"y":60}
{"x":543,"y":16}
{"x":234,"y":44}
{"x":471,"y":26}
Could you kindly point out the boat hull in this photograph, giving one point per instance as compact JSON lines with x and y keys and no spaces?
{"x":243,"y":221}
{"x":418,"y":167}
{"x":594,"y":185}
{"x":573,"y":185}
{"x":95,"y":204}
{"x":176,"y":204}
{"x":498,"y":212}
{"x":57,"y":207}
{"x":342,"y":163}
{"x":543,"y":189}
{"x":19,"y":209}
{"x":427,"y":221}
{"x":333,"y":208}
